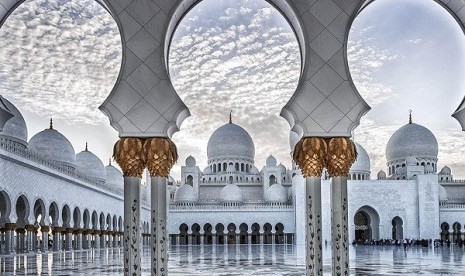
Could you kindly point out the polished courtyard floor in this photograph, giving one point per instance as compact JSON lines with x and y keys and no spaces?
{"x":243,"y":260}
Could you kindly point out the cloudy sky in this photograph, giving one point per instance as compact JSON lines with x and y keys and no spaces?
{"x":60,"y":59}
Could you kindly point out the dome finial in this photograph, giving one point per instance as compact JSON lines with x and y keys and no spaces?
{"x":230,"y":116}
{"x":86,"y":149}
{"x":410,"y":116}
{"x":109,"y":161}
{"x":51,"y":123}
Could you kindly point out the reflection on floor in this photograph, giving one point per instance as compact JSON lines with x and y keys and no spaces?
{"x":242,"y":260}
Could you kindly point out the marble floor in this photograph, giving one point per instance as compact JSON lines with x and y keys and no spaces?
{"x":242,"y":260}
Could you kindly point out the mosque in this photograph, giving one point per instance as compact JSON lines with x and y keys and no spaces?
{"x":54,"y":199}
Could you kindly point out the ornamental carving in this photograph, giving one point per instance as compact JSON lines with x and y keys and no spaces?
{"x":310,"y":154}
{"x":341,"y":155}
{"x":128,"y":153}
{"x":160,"y":155}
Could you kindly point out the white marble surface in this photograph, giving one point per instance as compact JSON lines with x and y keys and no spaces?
{"x":243,"y":260}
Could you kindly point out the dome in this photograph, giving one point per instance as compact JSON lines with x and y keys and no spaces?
{"x":231,"y":193}
{"x":207,"y":170}
{"x":230,"y":140}
{"x":89,"y":164}
{"x":190,"y":161}
{"x":171,"y":179}
{"x":271,"y":161}
{"x":411,"y":161}
{"x":185,"y":194}
{"x":52,"y":145}
{"x":446,"y":170}
{"x":381,"y":175}
{"x":172,"y":189}
{"x":442,"y":194}
{"x":411,"y":140}
{"x":15,"y":127}
{"x":362,"y":163}
{"x":114,"y":177}
{"x":276,"y":193}
{"x":254,"y":170}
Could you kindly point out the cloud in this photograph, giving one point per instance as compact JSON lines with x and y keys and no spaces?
{"x":60,"y":58}
{"x":250,"y":65}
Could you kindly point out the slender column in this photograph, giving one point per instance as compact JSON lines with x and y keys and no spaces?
{"x":79,"y":234}
{"x":341,"y":156}
{"x":103,"y":239}
{"x":44,"y":246}
{"x":20,"y":237}
{"x":2,"y":240}
{"x":69,"y":239}
{"x":56,"y":239}
{"x":30,"y":241}
{"x":161,"y":154}
{"x":9,"y":238}
{"x":97,"y":239}
{"x":128,"y":153}
{"x":310,"y":155}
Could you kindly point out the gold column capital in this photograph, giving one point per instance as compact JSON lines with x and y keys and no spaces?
{"x":160,"y":155}
{"x":341,"y":155}
{"x":128,"y":153}
{"x":310,"y":154}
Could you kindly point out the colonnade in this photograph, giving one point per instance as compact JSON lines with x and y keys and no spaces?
{"x":26,"y":239}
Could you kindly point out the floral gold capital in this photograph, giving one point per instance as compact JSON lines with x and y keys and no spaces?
{"x":160,"y":154}
{"x":128,"y":153}
{"x":341,"y":155}
{"x":310,"y":154}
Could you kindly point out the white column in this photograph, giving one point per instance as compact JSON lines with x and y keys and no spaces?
{"x":30,"y":238}
{"x":96,"y":239}
{"x":79,"y":239}
{"x":9,"y":238}
{"x":132,"y":247}
{"x":44,"y":245}
{"x":69,"y":239}
{"x":158,"y":226}
{"x":339,"y":226}
{"x":57,"y":239}
{"x":313,"y":230}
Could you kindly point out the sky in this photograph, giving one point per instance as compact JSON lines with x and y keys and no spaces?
{"x":61,"y":58}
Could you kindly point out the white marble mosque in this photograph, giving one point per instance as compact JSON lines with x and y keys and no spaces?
{"x":73,"y":202}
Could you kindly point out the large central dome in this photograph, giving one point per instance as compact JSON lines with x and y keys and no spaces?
{"x":230,"y":140}
{"x":412,"y":140}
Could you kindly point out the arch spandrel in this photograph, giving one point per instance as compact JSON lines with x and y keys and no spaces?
{"x":143,"y":102}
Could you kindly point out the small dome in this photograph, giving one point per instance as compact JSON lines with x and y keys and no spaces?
{"x":231,"y":193}
{"x":276,"y":193}
{"x":442,"y":194}
{"x":271,"y":161}
{"x":429,"y":169}
{"x":254,"y":170}
{"x":411,"y":140}
{"x":411,"y":161}
{"x":185,"y":194}
{"x":230,"y":140}
{"x":281,"y":168}
{"x":114,"y":177}
{"x":15,"y":127}
{"x":207,"y":170}
{"x":171,"y":179}
{"x":89,"y":164}
{"x":446,"y":170}
{"x":381,"y":175}
{"x":362,"y":163}
{"x":53,"y":146}
{"x":230,"y":168}
{"x":190,"y":161}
